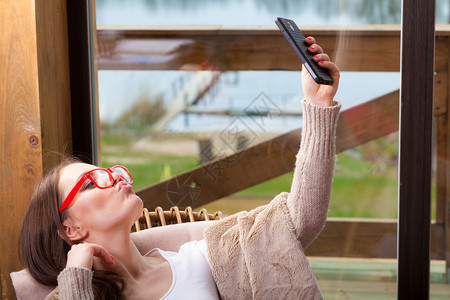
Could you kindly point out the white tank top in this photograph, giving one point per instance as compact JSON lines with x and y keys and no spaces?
{"x":191,"y":271}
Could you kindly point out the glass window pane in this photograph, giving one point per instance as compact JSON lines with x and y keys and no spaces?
{"x":168,"y":98}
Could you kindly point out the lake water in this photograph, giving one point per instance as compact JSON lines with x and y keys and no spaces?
{"x":118,"y":90}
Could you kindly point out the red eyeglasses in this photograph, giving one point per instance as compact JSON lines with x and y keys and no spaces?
{"x":101,"y":177}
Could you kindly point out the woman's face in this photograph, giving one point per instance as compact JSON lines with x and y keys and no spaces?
{"x":97,"y":209}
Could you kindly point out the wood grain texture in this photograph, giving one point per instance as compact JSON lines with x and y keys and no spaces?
{"x":20,"y":130}
{"x":34,"y":108}
{"x":54,"y":84}
{"x":269,"y":159}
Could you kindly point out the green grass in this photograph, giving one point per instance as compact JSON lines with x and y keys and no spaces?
{"x":361,"y":189}
{"x":115,"y":140}
{"x":364,"y":185}
{"x":269,"y":188}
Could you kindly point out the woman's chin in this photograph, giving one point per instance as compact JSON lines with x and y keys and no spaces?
{"x":138,"y":208}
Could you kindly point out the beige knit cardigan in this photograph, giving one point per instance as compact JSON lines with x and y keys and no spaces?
{"x":259,"y":254}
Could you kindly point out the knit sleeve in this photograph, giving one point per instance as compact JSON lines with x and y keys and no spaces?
{"x":75,"y":283}
{"x":310,"y":193}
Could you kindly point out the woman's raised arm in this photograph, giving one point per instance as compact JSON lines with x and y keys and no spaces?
{"x":310,"y":193}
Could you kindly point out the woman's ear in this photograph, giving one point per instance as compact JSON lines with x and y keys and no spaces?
{"x":73,"y":232}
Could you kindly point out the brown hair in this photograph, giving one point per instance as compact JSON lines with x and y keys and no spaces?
{"x":44,"y":251}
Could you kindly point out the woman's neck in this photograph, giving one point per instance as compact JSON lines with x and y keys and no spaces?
{"x":129,"y":262}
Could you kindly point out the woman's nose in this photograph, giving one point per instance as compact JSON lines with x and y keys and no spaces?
{"x":116,"y":177}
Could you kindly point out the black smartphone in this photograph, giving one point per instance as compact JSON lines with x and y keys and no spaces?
{"x":297,"y":40}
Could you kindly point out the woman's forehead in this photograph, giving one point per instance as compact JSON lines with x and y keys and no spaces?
{"x":70,"y":174}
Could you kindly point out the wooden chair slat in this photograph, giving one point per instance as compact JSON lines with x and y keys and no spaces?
{"x":161,"y":217}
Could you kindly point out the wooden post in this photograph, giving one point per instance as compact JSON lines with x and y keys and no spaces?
{"x":20,"y":130}
{"x":54,"y":83}
{"x":34,"y":117}
{"x":416,"y":97}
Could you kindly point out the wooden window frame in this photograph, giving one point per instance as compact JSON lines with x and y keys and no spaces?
{"x":416,"y":125}
{"x":81,"y":32}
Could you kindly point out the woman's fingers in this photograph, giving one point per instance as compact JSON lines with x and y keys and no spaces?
{"x":318,"y":93}
{"x":315,"y":49}
{"x":82,"y":255}
{"x":321,"y":57}
{"x":310,"y":40}
{"x":101,"y":252}
{"x":332,"y":69}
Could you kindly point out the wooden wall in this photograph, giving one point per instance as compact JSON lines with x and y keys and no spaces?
{"x":53,"y":74}
{"x":34,"y":118}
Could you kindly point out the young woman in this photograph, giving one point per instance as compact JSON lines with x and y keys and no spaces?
{"x":76,"y":233}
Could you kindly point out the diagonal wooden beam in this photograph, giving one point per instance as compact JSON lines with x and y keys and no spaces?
{"x":368,"y":121}
{"x":231,"y":174}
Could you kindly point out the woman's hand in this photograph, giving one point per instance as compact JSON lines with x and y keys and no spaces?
{"x":82,"y":255}
{"x":319,"y":94}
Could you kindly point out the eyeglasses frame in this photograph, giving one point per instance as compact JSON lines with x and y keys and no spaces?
{"x":87,"y":175}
